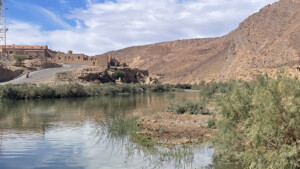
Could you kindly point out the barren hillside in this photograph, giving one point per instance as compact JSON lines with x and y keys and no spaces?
{"x":265,"y":41}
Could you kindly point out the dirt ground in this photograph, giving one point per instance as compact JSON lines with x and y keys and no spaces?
{"x":171,"y":128}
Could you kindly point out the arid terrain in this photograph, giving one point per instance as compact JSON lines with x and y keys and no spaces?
{"x":172,"y":129}
{"x":264,"y":42}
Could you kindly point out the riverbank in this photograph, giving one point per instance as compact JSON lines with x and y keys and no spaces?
{"x":26,"y":91}
{"x":173,"y":129}
{"x":257,"y":122}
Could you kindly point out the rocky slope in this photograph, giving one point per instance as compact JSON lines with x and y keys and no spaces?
{"x":265,"y":41}
{"x":7,"y":71}
{"x":100,"y":75}
{"x":8,"y":74}
{"x":10,"y":70}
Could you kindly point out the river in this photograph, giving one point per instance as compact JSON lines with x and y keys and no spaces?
{"x":69,"y":134}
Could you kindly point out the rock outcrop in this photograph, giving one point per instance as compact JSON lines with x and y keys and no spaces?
{"x":101,"y":75}
{"x":7,"y":74}
{"x":265,"y":41}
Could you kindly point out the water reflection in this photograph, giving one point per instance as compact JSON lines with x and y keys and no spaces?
{"x":122,"y":132}
{"x":75,"y":133}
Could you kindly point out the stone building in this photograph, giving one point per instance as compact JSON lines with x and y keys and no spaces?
{"x":82,"y":59}
{"x":34,"y":51}
{"x":69,"y":57}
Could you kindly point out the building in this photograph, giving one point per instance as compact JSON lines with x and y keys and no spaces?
{"x":34,"y":51}
{"x":69,"y":57}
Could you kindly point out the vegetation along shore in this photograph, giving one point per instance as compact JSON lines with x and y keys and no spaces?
{"x":255,"y":124}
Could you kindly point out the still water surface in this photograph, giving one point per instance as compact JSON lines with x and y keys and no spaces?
{"x":64,"y":133}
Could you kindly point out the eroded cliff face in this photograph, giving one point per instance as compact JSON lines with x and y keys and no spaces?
{"x":100,"y":75}
{"x":264,"y":42}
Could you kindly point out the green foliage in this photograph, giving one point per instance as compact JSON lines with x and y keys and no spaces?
{"x":160,"y":88}
{"x":118,"y":74}
{"x":122,"y":127}
{"x":155,"y":81}
{"x":211,"y":123}
{"x":212,"y":88}
{"x":188,"y":107}
{"x":183,"y":86}
{"x":25,"y":91}
{"x":171,"y":96}
{"x":260,"y":124}
{"x":19,"y":60}
{"x":144,"y":142}
{"x":71,"y":90}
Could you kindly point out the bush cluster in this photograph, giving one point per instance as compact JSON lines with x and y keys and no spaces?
{"x":212,"y":88}
{"x":118,"y":74}
{"x":183,"y":86}
{"x":19,"y":60}
{"x":260,"y":124}
{"x":25,"y":91}
{"x":188,"y":107}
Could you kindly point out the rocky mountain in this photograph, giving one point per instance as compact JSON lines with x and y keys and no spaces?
{"x":263,"y":42}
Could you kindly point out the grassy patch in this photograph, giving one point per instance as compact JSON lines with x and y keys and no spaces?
{"x":189,"y":107}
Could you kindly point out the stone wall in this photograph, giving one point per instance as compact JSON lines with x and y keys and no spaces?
{"x":23,"y":47}
{"x":103,"y":60}
{"x":98,"y":60}
{"x":43,"y":52}
{"x":34,"y":51}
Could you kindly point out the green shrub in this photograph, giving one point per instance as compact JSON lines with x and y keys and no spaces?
{"x":25,"y":91}
{"x":19,"y":60}
{"x":44,"y":91}
{"x":160,"y":88}
{"x":9,"y":92}
{"x":260,"y":124}
{"x":188,"y":107}
{"x":71,"y":90}
{"x":171,"y":96}
{"x":211,"y":123}
{"x":183,"y":86}
{"x":212,"y":88}
{"x":118,"y":74}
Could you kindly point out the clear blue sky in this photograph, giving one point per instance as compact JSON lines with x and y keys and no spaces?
{"x":29,"y":11}
{"x":97,"y":26}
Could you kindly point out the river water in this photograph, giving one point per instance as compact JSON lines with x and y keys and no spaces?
{"x":69,"y":134}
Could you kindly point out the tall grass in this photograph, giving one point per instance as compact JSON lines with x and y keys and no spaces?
{"x":25,"y":91}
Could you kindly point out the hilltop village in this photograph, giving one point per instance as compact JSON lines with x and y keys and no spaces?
{"x":20,"y":59}
{"x":43,"y":52}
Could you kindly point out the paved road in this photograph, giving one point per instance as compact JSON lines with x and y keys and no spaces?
{"x":42,"y":75}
